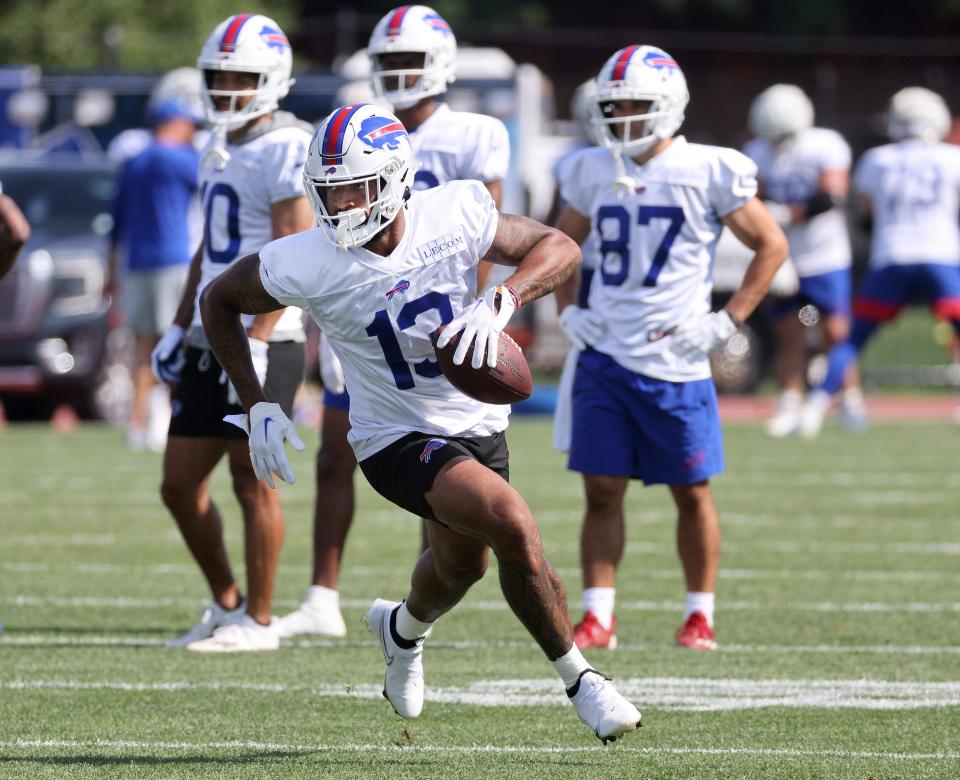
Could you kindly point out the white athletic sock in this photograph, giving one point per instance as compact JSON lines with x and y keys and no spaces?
{"x":699,"y":602}
{"x":571,"y":666}
{"x":323,"y":597}
{"x":600,"y":602}
{"x":408,"y":627}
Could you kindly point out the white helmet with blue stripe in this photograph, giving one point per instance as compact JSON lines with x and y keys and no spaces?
{"x":416,"y":29}
{"x":246,"y":43}
{"x":640,"y":73}
{"x":360,"y":145}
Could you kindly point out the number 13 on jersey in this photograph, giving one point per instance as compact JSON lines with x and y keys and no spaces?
{"x":615,"y":243}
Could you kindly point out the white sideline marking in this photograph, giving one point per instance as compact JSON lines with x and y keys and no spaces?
{"x":118,"y":744}
{"x":664,"y":693}
{"x":863,"y":575}
{"x":97,"y":640}
{"x":119,"y":602}
{"x":468,"y":749}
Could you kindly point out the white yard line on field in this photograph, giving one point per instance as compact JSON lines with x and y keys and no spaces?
{"x":417,"y":749}
{"x":98,"y":640}
{"x":663,"y":693}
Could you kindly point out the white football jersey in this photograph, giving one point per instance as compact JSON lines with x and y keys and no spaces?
{"x":657,"y":246}
{"x":454,"y":145}
{"x":791,"y":174}
{"x":379,"y":313}
{"x":914,"y":189}
{"x":590,"y":248}
{"x":236,"y":204}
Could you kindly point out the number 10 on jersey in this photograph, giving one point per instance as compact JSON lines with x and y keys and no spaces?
{"x":619,"y":244}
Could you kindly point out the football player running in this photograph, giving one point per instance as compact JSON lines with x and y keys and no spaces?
{"x":644,"y":403}
{"x":911,"y":191}
{"x":804,"y":179}
{"x":380,"y":274}
{"x":412,"y":52}
{"x":251,"y":185}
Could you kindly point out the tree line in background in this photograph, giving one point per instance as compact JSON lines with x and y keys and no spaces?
{"x":152,"y":35}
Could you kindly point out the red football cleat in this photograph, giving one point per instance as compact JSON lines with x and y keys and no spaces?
{"x":696,"y":633}
{"x":589,"y":633}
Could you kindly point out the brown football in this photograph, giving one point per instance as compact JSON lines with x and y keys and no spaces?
{"x":508,"y":383}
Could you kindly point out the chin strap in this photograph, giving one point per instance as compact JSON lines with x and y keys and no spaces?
{"x":217,"y":151}
{"x":623,"y":185}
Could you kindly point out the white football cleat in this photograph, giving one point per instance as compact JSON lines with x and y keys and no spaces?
{"x":786,"y":417}
{"x":814,"y":412}
{"x":311,"y":617}
{"x":241,"y":635}
{"x":853,"y":411}
{"x":403,"y":681}
{"x":211,"y":619}
{"x":602,"y":707}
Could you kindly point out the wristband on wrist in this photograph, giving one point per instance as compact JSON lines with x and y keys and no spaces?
{"x":517,"y":303}
{"x":732,"y":317}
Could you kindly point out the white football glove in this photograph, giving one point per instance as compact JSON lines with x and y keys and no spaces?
{"x":582,"y":326}
{"x":268,"y":428}
{"x":331,"y":372}
{"x":696,"y":337}
{"x":168,"y":356}
{"x":480,"y":321}
{"x":258,"y":353}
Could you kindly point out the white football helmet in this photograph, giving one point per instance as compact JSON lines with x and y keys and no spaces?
{"x":358,"y":145}
{"x":246,"y":43}
{"x":640,"y":73}
{"x":780,"y":112}
{"x":916,"y":112}
{"x":413,"y":28}
{"x":581,"y":109}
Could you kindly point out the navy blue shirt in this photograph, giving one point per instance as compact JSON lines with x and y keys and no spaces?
{"x":151,"y":205}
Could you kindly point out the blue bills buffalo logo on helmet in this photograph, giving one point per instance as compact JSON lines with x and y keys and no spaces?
{"x":431,"y":447}
{"x":659,"y":59}
{"x":274,"y":38}
{"x":382,"y":132}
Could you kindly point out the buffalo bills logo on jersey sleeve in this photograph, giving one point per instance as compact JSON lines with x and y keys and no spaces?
{"x":382,"y":132}
{"x":274,"y":38}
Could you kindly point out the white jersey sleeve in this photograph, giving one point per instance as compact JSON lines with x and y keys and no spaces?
{"x":578,"y":187}
{"x":379,"y":313}
{"x":733,"y":181}
{"x":283,"y":168}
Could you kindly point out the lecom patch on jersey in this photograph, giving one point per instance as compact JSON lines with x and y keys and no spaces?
{"x":442,"y":247}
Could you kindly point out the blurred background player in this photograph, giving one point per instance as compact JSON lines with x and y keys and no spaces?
{"x":14,"y":232}
{"x":910,"y":189}
{"x":644,"y":403}
{"x":151,"y":208}
{"x":251,"y":184}
{"x":804,"y":179}
{"x":412,"y":51}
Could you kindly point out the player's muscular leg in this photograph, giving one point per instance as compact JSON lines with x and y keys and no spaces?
{"x":791,"y":355}
{"x":603,"y":535}
{"x":187,"y":465}
{"x":698,"y":535}
{"x":478,"y":503}
{"x":262,"y":530}
{"x":333,"y":511}
{"x":445,"y":571}
{"x":836,"y":328}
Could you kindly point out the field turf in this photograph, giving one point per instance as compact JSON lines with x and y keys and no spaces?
{"x":838,"y":621}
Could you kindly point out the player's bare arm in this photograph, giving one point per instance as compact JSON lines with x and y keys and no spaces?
{"x":14,"y":232}
{"x":236,"y":291}
{"x":574,"y":224}
{"x":544,"y":257}
{"x":184,"y":315}
{"x":756,"y":228}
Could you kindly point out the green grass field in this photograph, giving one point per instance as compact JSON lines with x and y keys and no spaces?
{"x":838,"y":618}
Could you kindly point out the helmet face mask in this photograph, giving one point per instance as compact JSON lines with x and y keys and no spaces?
{"x":420,"y":36}
{"x":357,"y":176}
{"x":648,"y":82}
{"x":247,"y":44}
